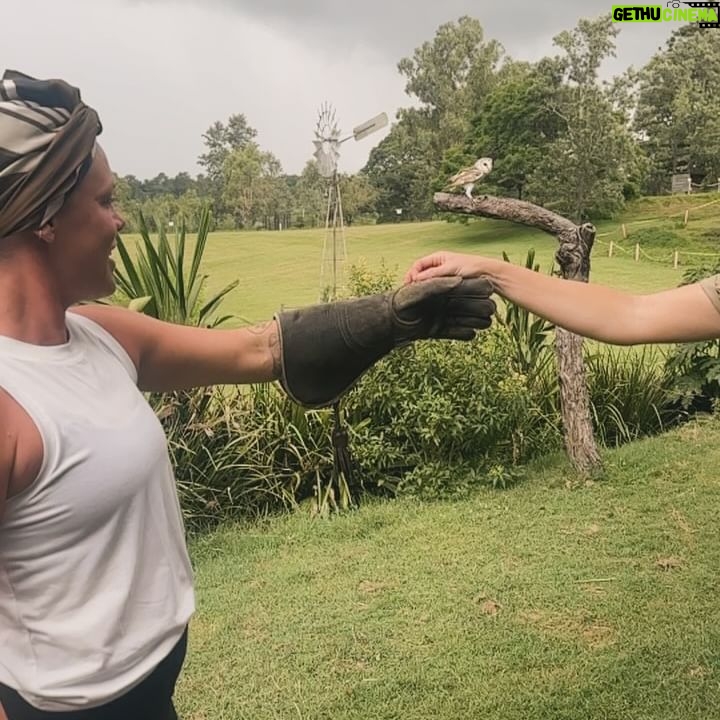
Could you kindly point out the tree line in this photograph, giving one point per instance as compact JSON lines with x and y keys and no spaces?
{"x":559,"y":135}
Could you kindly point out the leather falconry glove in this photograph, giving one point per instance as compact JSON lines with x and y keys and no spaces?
{"x":326,"y":348}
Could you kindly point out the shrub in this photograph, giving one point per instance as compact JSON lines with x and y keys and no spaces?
{"x":432,"y":420}
{"x":446,"y":404}
{"x":435,"y":419}
{"x":693,"y":369}
{"x":210,"y":456}
{"x":246,"y":452}
{"x":629,"y":394}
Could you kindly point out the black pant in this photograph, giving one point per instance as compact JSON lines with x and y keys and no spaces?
{"x":150,"y":700}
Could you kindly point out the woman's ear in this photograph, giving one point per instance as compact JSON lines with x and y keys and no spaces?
{"x":47,"y":232}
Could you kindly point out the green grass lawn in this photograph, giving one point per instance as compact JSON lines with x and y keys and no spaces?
{"x":283,"y":268}
{"x":549,"y":601}
{"x":277,"y":269}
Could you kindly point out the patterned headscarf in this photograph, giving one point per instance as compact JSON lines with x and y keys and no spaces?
{"x":47,"y":137}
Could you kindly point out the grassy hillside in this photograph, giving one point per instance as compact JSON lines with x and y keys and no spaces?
{"x":283,"y":268}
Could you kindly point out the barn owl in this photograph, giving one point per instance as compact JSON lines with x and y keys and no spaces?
{"x":469,"y":176}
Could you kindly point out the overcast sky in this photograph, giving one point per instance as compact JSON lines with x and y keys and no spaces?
{"x":160,"y":72}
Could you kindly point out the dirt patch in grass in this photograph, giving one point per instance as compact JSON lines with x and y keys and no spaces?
{"x":592,"y":633}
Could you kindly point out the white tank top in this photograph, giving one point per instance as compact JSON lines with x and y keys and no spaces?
{"x":95,"y":580}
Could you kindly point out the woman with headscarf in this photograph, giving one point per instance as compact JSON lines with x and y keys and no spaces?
{"x":95,"y":581}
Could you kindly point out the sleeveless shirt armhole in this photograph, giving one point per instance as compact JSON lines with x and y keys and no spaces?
{"x":711,"y":286}
{"x":109,"y":340}
{"x":48,"y":440}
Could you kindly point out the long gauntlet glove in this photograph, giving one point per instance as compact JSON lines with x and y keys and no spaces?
{"x":326,"y":348}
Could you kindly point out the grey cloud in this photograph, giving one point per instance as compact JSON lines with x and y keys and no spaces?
{"x":394,"y":28}
{"x":161,"y":71}
{"x":397,"y":27}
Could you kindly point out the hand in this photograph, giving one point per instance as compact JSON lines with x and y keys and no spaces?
{"x":446,"y":307}
{"x":443,"y":263}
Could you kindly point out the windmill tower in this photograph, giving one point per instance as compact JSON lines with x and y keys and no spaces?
{"x":327,"y":153}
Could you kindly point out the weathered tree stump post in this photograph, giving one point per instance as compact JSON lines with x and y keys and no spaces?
{"x":573,"y":257}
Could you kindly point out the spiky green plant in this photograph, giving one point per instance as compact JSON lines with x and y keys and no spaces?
{"x":530,"y":334}
{"x":156,"y":279}
{"x":629,"y":395}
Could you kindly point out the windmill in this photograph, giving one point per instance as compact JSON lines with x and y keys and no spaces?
{"x":327,"y":153}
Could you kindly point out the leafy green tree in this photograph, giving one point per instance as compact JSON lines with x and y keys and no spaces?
{"x":161,"y":210}
{"x":249,"y":179}
{"x":515,"y":125}
{"x":450,"y":76}
{"x":221,"y":140}
{"x":401,"y":169}
{"x":128,"y":200}
{"x":678,"y":108}
{"x":310,"y":199}
{"x":358,"y":196}
{"x":275,"y":207}
{"x":159,"y":185}
{"x":584,"y":170}
{"x":182,"y":183}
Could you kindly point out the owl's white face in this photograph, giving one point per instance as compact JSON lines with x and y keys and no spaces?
{"x":484,"y":164}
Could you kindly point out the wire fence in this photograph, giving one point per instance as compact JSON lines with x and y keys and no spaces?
{"x":670,"y":256}
{"x":703,"y":186}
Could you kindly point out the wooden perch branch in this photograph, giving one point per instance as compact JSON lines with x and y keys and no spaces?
{"x":517,"y":211}
{"x":573,"y":257}
{"x":575,"y":241}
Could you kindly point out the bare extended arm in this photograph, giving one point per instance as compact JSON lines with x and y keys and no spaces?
{"x":681,"y":314}
{"x":174,"y":357}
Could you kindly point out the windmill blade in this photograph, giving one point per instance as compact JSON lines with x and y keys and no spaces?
{"x":370,"y":126}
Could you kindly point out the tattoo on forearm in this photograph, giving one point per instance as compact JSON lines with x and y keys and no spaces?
{"x":274,"y":347}
{"x":269,"y":333}
{"x":262,"y":328}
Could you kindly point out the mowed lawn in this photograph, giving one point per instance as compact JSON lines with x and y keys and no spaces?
{"x":282,"y":269}
{"x":554,"y":600}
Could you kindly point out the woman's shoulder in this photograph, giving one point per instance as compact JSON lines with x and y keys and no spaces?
{"x":120,"y":323}
{"x":711,"y":286}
